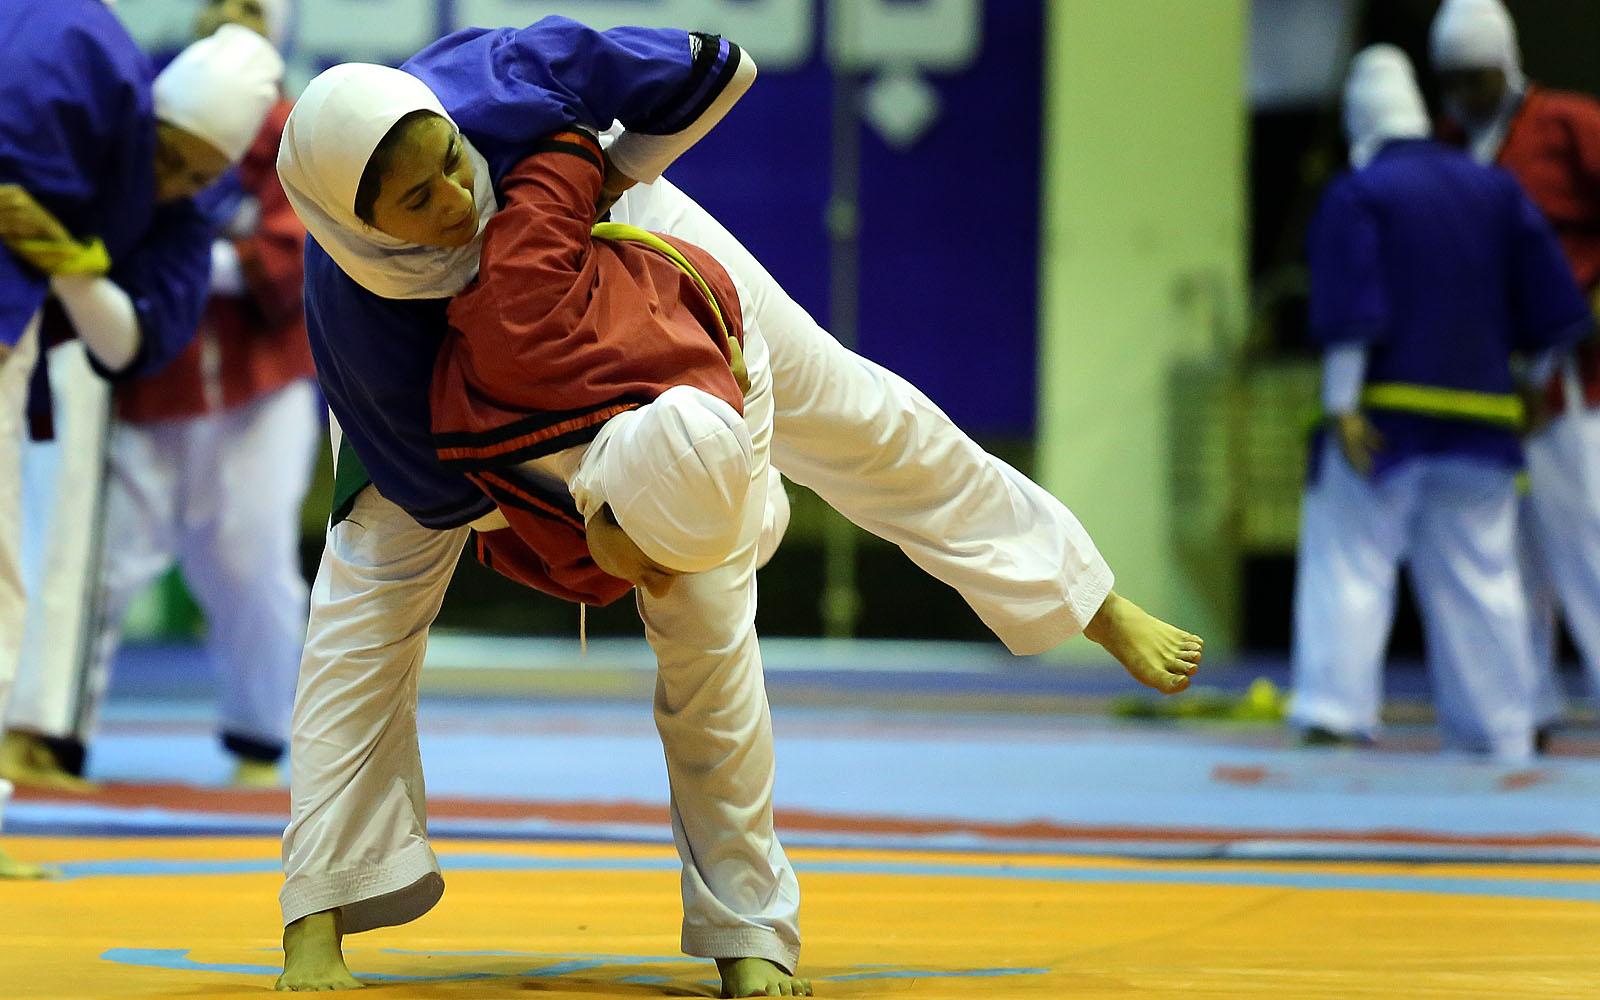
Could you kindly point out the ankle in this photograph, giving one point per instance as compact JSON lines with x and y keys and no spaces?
{"x":1104,"y":625}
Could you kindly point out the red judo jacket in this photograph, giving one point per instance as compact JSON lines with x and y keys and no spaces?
{"x":1553,"y":147}
{"x":560,"y":332}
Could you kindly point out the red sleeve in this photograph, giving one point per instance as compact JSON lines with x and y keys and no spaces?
{"x":273,"y":258}
{"x":537,"y":244}
{"x":1583,"y":125}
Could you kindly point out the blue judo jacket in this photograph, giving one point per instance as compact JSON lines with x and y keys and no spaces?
{"x":1443,"y":268}
{"x":78,"y":131}
{"x":505,"y":88}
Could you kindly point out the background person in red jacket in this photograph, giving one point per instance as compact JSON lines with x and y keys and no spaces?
{"x":208,"y":465}
{"x":1550,"y":140}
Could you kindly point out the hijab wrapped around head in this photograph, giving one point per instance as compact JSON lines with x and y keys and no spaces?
{"x":221,"y":88}
{"x":1479,"y":34}
{"x":331,"y":134}
{"x":1476,"y":34}
{"x":1381,"y":102}
{"x":676,"y":473}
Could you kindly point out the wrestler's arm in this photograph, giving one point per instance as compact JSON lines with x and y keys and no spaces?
{"x":134,"y":314}
{"x":1349,"y":311}
{"x":666,"y":87}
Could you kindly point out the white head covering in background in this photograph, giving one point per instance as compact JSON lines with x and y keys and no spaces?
{"x":277,"y":14}
{"x":1479,"y":34}
{"x":332,"y":132}
{"x":1476,"y":34}
{"x":221,"y":88}
{"x":1381,"y":102}
{"x":676,"y":473}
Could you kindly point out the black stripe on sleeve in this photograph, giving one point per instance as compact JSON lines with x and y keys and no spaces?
{"x":555,"y":144}
{"x":533,"y":423}
{"x":724,"y":74}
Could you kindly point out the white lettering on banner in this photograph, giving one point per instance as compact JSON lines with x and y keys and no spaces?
{"x":387,"y":31}
{"x":896,"y":40}
{"x":781,"y":34}
{"x":938,"y":35}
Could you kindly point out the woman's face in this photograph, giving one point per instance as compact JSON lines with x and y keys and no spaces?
{"x":185,"y":163}
{"x":216,"y":13}
{"x":1475,"y":93}
{"x":426,"y":197}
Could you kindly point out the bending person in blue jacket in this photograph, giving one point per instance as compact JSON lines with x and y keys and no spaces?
{"x":383,"y":261}
{"x":1428,"y":272}
{"x":98,"y":163}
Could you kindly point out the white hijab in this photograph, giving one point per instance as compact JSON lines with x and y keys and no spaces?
{"x":1479,"y":34}
{"x":331,"y":134}
{"x":676,"y":473}
{"x":221,"y":88}
{"x":1381,"y":102}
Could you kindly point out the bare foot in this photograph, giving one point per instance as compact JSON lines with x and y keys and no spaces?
{"x":28,"y":759}
{"x":312,"y":959}
{"x":1158,"y":655}
{"x":757,"y":977}
{"x":11,"y":868}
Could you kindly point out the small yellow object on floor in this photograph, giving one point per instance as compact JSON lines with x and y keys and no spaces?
{"x":194,"y":918}
{"x":256,"y":774}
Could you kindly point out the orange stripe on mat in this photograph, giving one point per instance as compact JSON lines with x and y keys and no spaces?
{"x":275,"y":801}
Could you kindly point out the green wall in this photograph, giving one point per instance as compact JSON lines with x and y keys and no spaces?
{"x":1142,"y":276}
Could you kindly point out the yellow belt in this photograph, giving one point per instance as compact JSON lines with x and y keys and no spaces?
{"x":1499,"y":409}
{"x":623,"y":231}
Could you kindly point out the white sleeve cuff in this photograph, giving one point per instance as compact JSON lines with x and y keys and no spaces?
{"x":644,"y":157}
{"x":103,"y":316}
{"x":1344,"y":372}
{"x":227,"y":276}
{"x":1543,"y":366}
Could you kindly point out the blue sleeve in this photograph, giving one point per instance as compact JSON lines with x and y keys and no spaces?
{"x":77,"y":127}
{"x":1348,"y":298}
{"x":76,"y":130}
{"x":167,"y":275}
{"x":374,"y":360}
{"x":506,"y":87}
{"x":1547,"y":309}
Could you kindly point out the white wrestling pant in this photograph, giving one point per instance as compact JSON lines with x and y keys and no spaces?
{"x":221,"y":495}
{"x":1560,"y":540}
{"x":358,"y":834}
{"x":64,"y":499}
{"x":1453,"y":522}
{"x":865,"y":440}
{"x":16,"y":369}
{"x":878,"y":451}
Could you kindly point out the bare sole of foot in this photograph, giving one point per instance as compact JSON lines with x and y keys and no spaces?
{"x":757,"y":977}
{"x":313,"y":961}
{"x":1155,"y":654}
{"x":12,"y":869}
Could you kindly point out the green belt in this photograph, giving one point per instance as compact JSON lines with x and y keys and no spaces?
{"x":349,"y":479}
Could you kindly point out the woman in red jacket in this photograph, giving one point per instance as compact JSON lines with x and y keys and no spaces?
{"x":1550,"y":139}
